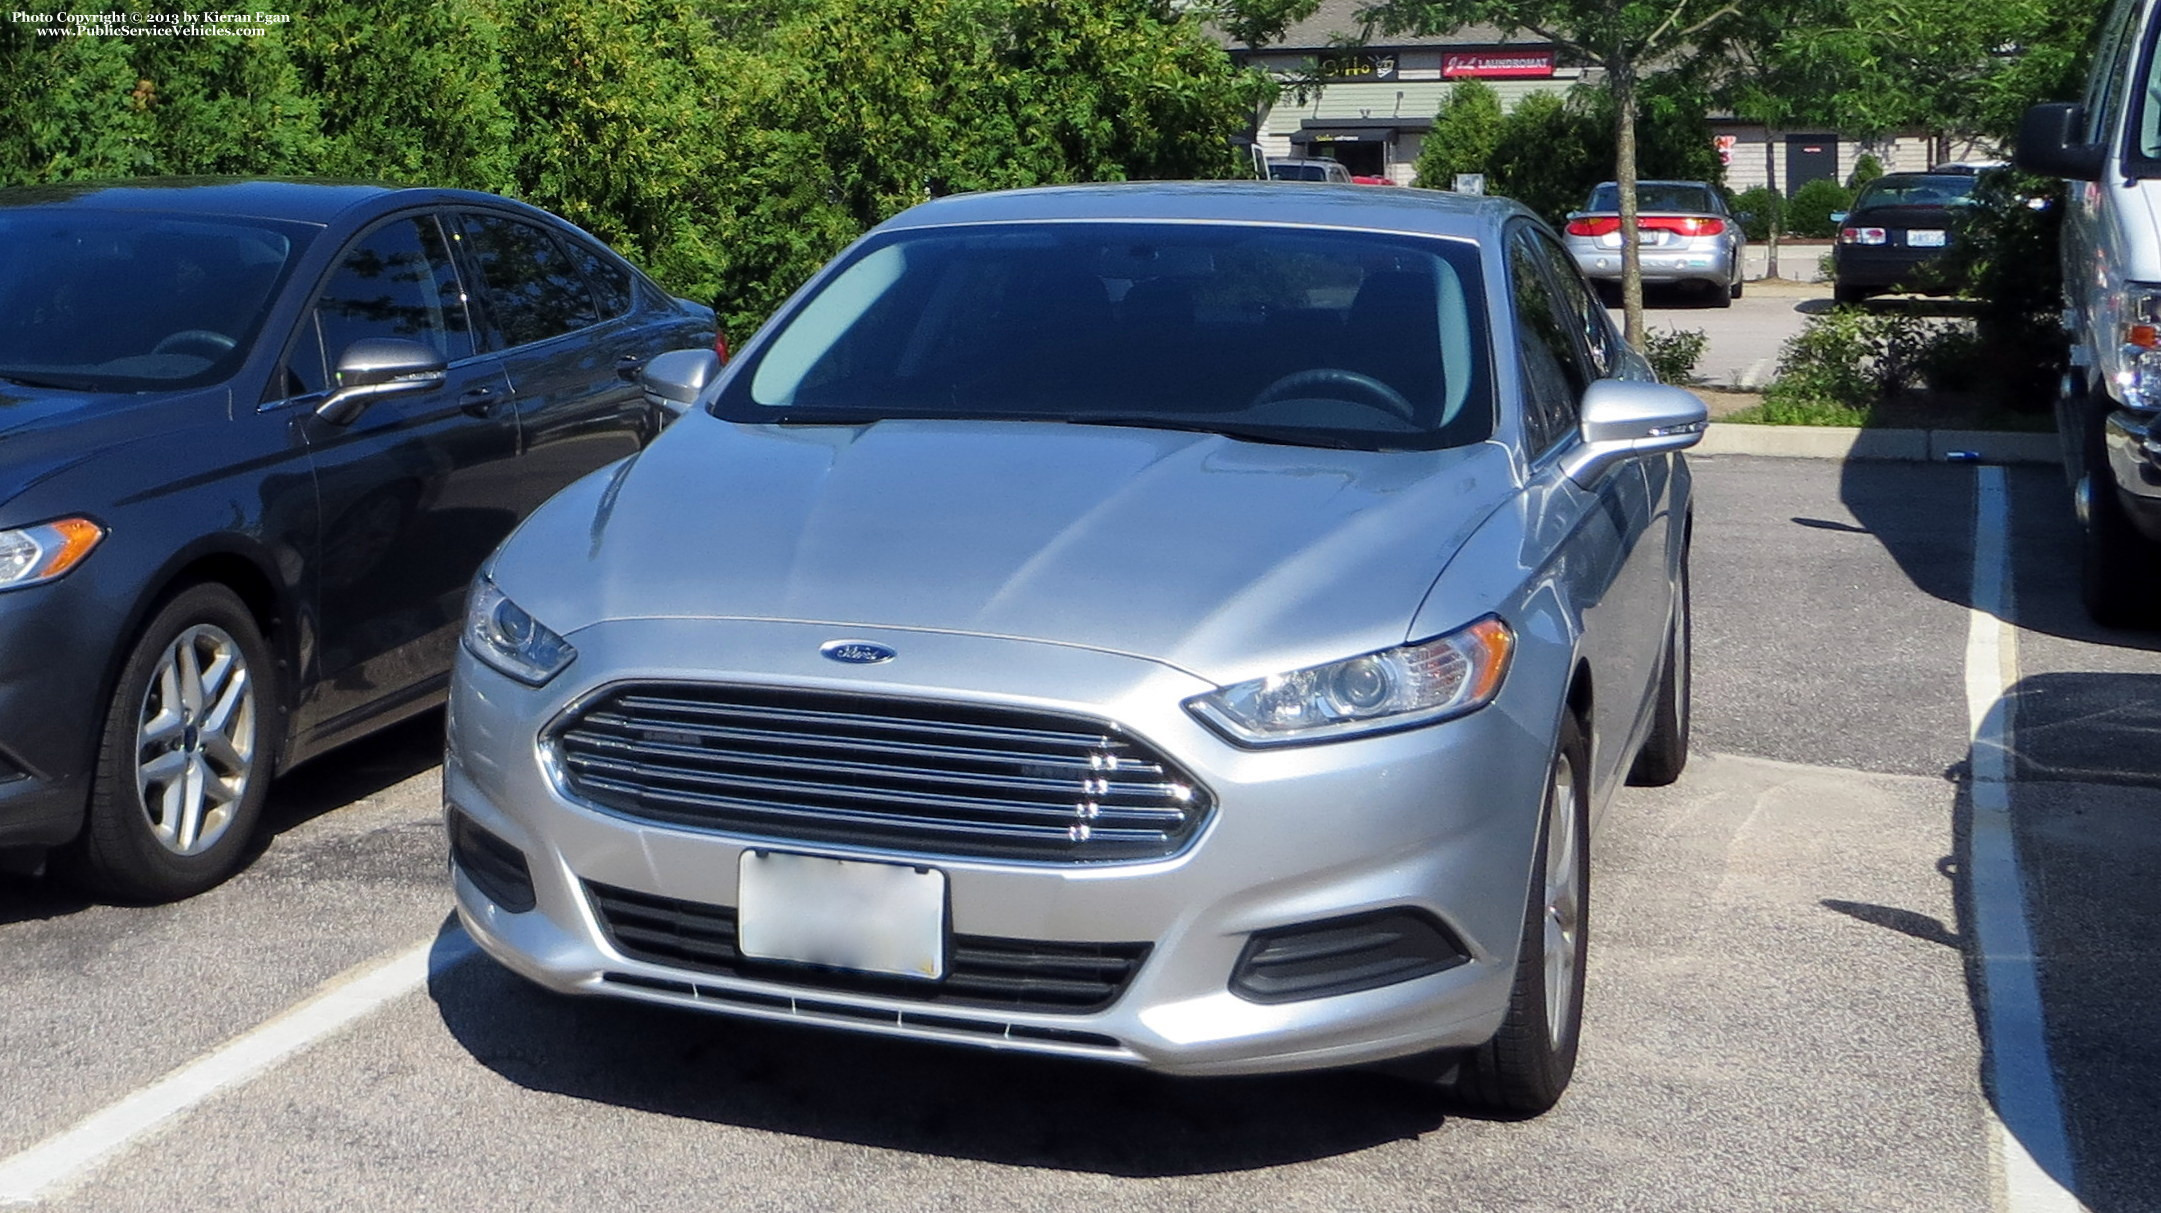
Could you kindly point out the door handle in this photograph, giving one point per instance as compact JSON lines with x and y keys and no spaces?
{"x":479,"y":401}
{"x":629,"y":365}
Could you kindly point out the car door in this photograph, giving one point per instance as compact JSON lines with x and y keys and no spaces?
{"x":1594,"y":538}
{"x":565,"y":329}
{"x":412,"y":490}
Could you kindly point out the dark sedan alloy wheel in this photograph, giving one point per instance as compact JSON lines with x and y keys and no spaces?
{"x":181,"y":776}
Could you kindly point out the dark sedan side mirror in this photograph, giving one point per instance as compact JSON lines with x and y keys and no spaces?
{"x":2051,"y":142}
{"x":673,"y":380}
{"x":1624,"y":418}
{"x":380,"y":366}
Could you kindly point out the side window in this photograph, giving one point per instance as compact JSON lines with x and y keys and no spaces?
{"x":1553,"y":375}
{"x":534,"y":291}
{"x":1583,"y":313}
{"x":395,"y":281}
{"x":608,"y":278}
{"x":2112,"y":66}
{"x":304,"y":373}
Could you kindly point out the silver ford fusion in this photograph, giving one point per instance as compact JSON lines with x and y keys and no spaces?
{"x":1191,"y":625}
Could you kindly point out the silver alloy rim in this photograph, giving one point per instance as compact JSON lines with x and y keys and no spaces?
{"x":195,"y":745}
{"x":1564,"y":901}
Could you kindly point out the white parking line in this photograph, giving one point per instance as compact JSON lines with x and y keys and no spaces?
{"x":2026,"y":1123}
{"x":48,"y":1168}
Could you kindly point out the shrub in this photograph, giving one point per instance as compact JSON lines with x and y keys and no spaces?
{"x":2006,"y":258}
{"x":1673,"y":353}
{"x":1809,"y":213}
{"x":1764,"y":206}
{"x":1848,"y":359}
{"x":1463,"y":137}
{"x":1866,"y":168}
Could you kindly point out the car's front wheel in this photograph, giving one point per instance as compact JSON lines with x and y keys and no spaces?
{"x":1526,"y":1066}
{"x":184,"y":762}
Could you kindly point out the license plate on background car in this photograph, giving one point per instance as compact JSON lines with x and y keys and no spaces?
{"x":1925,"y":237}
{"x":870,"y":917}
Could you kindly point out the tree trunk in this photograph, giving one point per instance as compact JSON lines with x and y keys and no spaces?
{"x":1623,"y":80}
{"x":1776,"y":219}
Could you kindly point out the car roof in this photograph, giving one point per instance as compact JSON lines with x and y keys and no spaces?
{"x":303,"y":200}
{"x":1264,"y":203}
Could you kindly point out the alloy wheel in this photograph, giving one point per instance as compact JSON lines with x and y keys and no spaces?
{"x":195,"y":743}
{"x":1563,"y":903}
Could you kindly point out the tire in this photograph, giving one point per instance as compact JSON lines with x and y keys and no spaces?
{"x":1524,"y":1069}
{"x":1734,"y":291}
{"x":181,"y":821}
{"x":1842,"y":293}
{"x":1665,"y":752}
{"x":2119,"y":569}
{"x":1718,"y":294}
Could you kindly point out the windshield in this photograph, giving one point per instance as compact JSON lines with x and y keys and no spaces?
{"x":1941,"y":190}
{"x":1656,"y":196}
{"x":118,"y":301}
{"x":1266,"y":333}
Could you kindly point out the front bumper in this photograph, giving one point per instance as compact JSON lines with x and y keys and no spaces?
{"x":1440,"y":820}
{"x":61,"y":642}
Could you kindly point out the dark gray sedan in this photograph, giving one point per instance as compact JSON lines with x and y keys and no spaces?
{"x":1192,"y":626}
{"x":254,"y":439}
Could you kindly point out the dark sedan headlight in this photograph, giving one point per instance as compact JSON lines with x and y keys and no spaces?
{"x":1395,"y":688}
{"x":502,"y":634}
{"x":33,"y":554}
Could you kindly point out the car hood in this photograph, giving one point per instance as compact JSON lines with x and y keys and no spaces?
{"x":44,"y":430}
{"x":1223,"y":558}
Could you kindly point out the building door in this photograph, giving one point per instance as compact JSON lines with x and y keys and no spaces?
{"x":1810,"y":158}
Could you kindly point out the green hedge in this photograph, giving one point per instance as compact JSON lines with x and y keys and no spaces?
{"x":729,"y":146}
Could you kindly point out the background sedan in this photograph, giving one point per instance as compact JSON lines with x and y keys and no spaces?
{"x":1683,"y":231}
{"x":258,"y":437}
{"x":1897,"y":234}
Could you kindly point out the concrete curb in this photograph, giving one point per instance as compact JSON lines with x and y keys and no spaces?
{"x":1895,"y":446}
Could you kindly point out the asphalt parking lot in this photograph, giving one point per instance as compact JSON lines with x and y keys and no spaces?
{"x":1795,"y":999}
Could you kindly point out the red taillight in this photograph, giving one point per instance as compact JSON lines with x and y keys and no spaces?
{"x":1686,"y":225}
{"x":720,"y":346}
{"x":1862,"y":235}
{"x":1600,"y":226}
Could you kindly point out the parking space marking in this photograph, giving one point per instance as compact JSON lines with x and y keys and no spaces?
{"x":2027,"y":1119}
{"x":46,"y":1169}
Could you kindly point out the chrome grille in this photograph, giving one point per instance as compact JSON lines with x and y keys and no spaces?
{"x":916,"y":776}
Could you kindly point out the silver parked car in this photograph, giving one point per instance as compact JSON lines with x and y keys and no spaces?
{"x":1188,"y":625}
{"x":1684,"y":234}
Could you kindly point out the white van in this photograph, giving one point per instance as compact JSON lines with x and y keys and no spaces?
{"x":2109,"y":147}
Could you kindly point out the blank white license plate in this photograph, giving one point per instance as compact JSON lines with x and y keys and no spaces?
{"x":1924,"y":237}
{"x":869,"y":917}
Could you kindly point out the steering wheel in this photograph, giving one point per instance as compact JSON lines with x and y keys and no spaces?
{"x":203,"y":343}
{"x":1364,"y":389}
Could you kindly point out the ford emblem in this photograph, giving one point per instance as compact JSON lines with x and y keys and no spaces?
{"x":856,"y":652}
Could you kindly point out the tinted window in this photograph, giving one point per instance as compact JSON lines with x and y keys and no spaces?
{"x":534,"y":292}
{"x":1553,"y":373}
{"x":1657,"y":196}
{"x":1938,"y":190}
{"x":396,"y":281}
{"x":1328,"y":338}
{"x":609,"y":278}
{"x":127,"y":302}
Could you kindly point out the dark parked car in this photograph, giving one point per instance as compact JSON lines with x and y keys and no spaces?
{"x":257,"y":437}
{"x":1899,"y":229}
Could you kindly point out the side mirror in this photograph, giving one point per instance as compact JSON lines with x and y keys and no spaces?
{"x":1745,"y":217}
{"x":380,"y":366}
{"x":672,"y":381}
{"x":1839,"y":216}
{"x":2051,"y":142}
{"x":1625,"y":418}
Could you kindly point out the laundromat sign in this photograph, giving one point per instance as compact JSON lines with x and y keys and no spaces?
{"x":1491,"y":65}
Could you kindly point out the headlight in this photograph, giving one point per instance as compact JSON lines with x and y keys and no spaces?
{"x":499,"y":632}
{"x":40,"y":553}
{"x":2139,"y":382}
{"x":1392,"y":689}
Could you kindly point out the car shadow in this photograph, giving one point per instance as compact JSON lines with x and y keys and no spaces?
{"x":937,"y":1100}
{"x":352,"y":772}
{"x":2085,"y":801}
